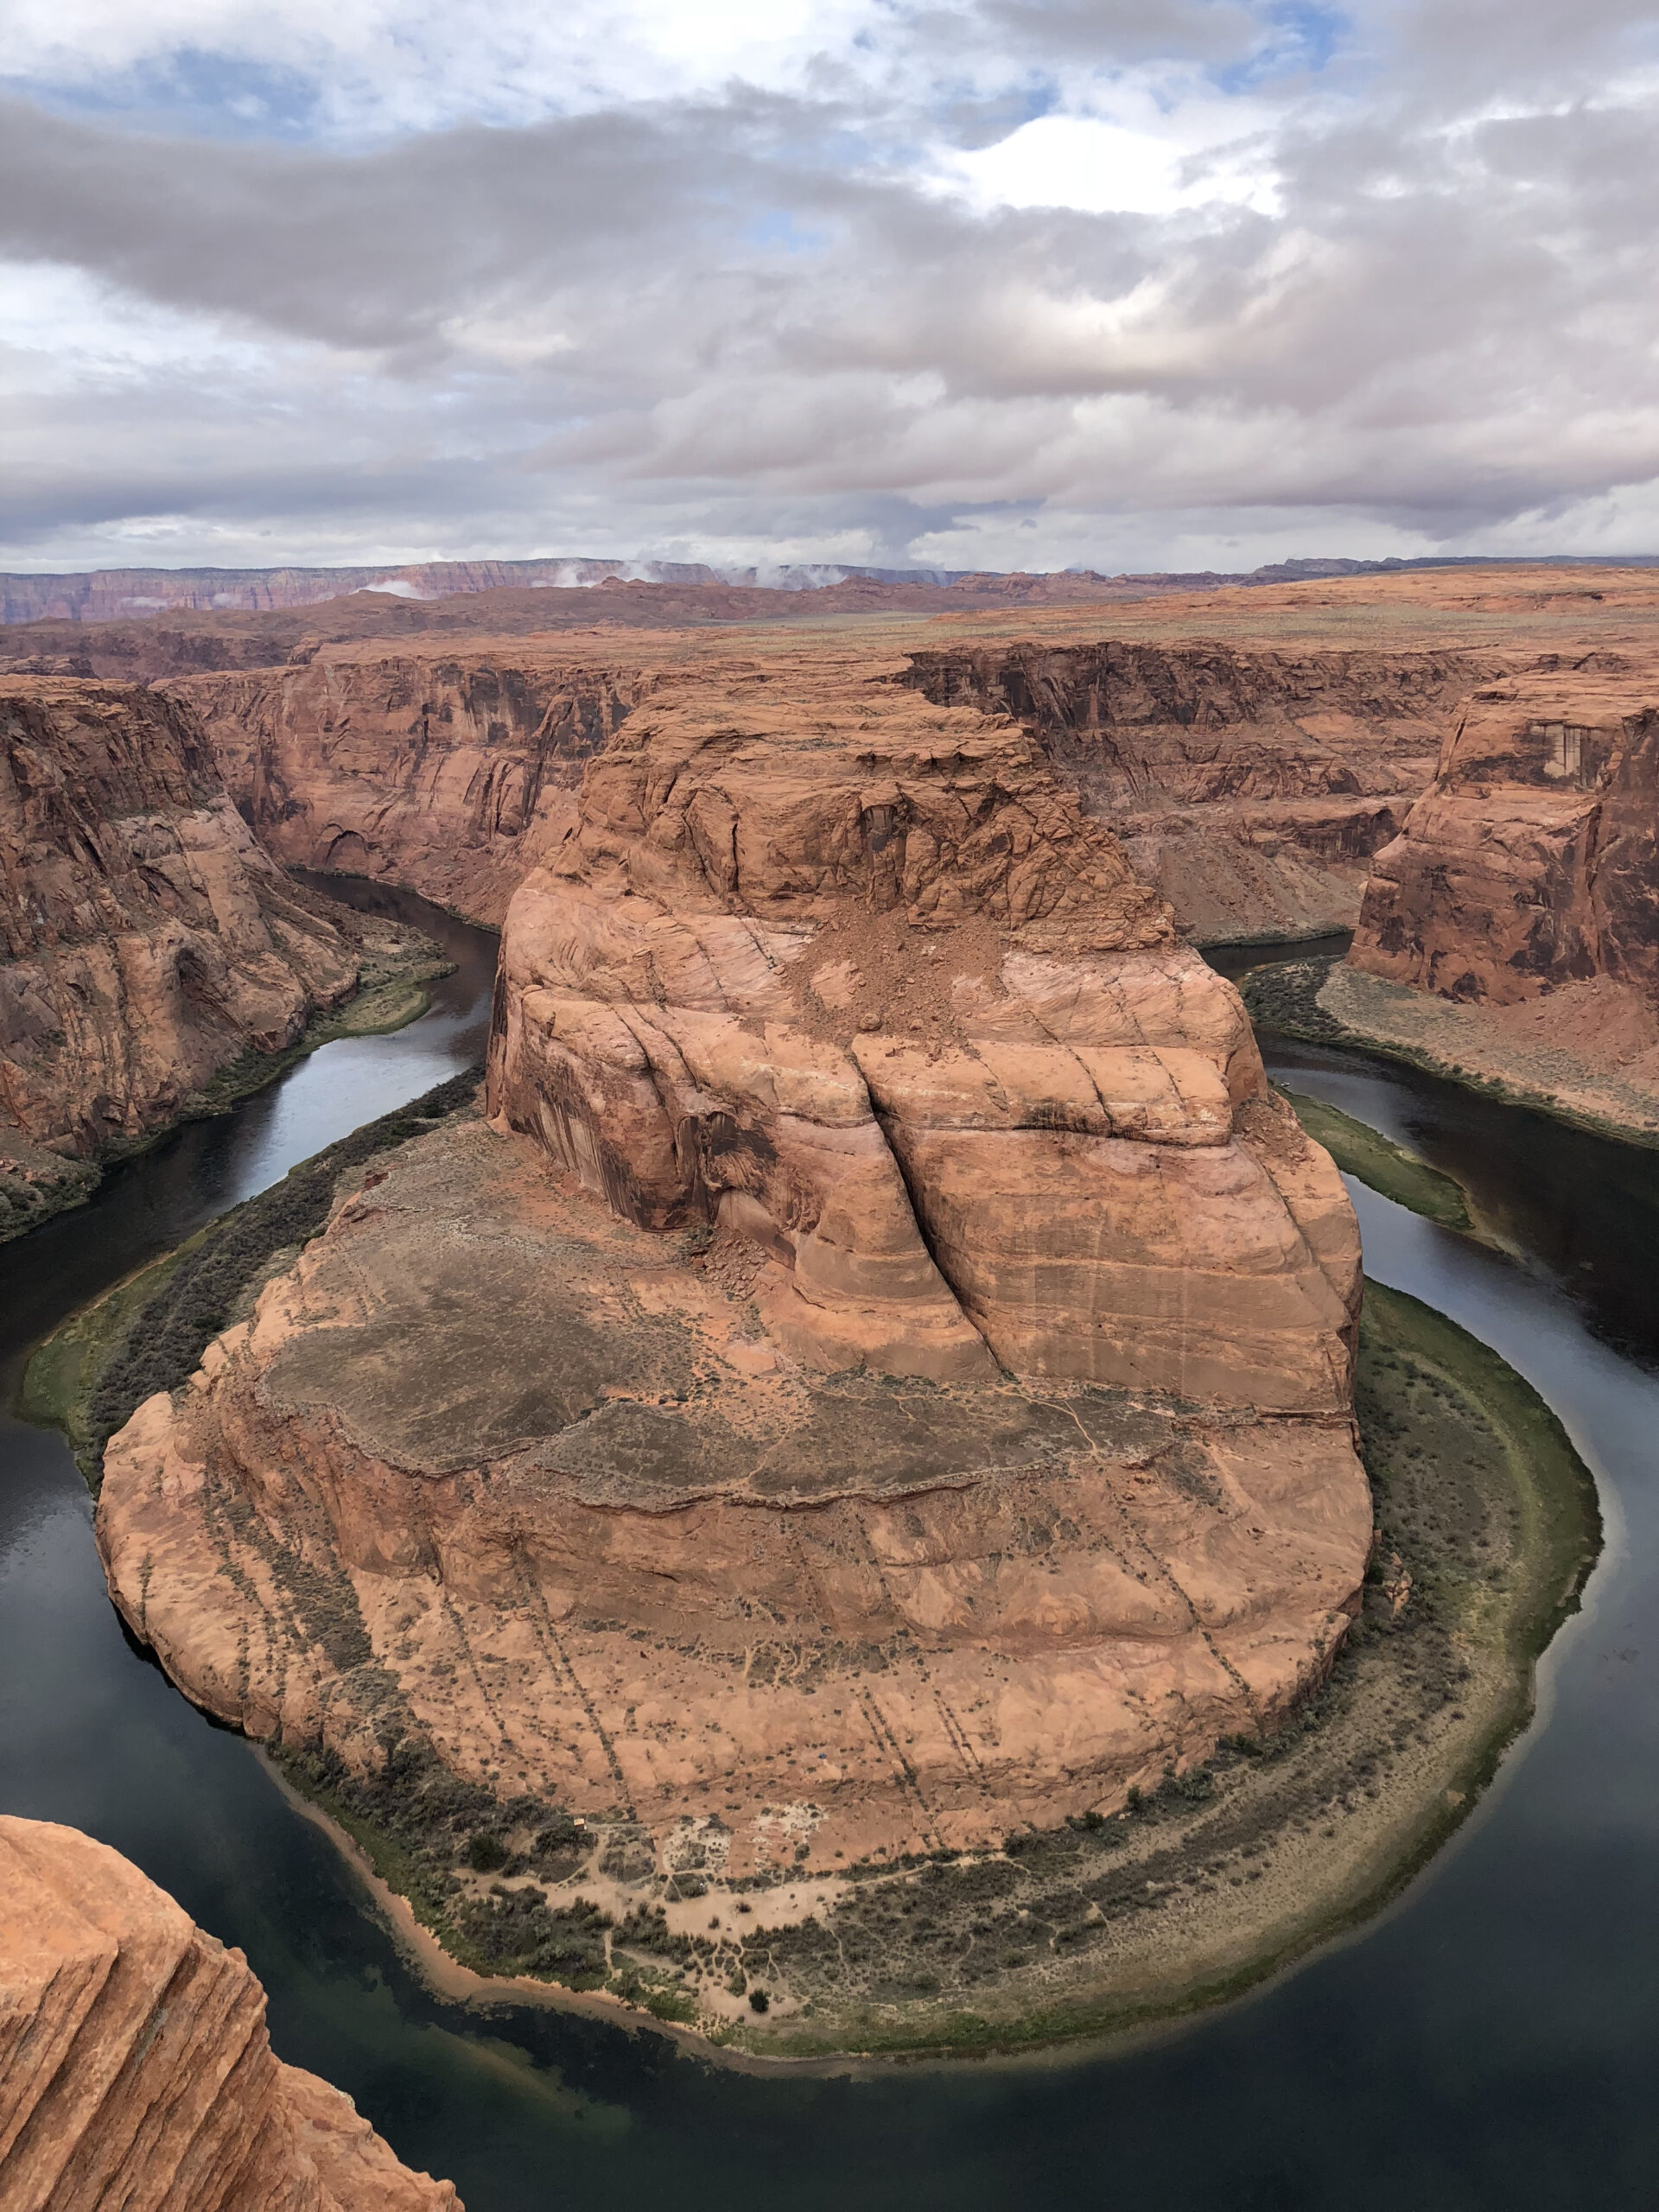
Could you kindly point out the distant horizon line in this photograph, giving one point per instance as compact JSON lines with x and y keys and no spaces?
{"x":117,"y":594}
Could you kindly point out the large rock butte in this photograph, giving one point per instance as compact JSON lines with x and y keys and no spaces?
{"x":885,"y":1375}
{"x":134,"y":2066}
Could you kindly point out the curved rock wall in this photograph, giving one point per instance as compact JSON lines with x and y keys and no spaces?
{"x":438,"y":768}
{"x":148,"y":939}
{"x":135,"y":2066}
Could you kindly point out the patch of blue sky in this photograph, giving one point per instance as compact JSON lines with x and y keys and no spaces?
{"x":192,"y":93}
{"x":1298,"y":36}
{"x":777,"y":227}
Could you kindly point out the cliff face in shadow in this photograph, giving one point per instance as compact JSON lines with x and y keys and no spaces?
{"x":134,"y":2066}
{"x":149,"y":940}
{"x":436,"y":767}
{"x":1252,"y":786}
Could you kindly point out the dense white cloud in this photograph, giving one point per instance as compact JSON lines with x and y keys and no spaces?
{"x":1024,"y":283}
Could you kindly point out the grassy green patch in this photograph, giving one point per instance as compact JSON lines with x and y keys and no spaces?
{"x":1382,"y":1165}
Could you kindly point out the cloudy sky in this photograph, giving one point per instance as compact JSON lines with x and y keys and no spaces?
{"x":1013,"y":283}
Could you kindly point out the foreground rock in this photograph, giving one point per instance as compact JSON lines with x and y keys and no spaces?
{"x":135,"y":2066}
{"x":1517,"y":916}
{"x":1251,"y":786}
{"x":148,"y":939}
{"x":885,"y":1376}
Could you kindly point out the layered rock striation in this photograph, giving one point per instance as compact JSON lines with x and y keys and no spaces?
{"x":438,"y":768}
{"x":1250,"y":785}
{"x":149,"y":940}
{"x":884,"y":1375}
{"x":135,"y":2065}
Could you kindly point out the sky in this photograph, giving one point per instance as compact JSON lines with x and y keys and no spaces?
{"x":1033,"y":284}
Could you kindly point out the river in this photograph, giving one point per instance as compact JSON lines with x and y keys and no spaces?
{"x":1489,"y":2041}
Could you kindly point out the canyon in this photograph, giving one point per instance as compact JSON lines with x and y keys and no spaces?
{"x":1251,"y":789}
{"x":872,"y":1376}
{"x":135,"y":2065}
{"x":150,"y":940}
{"x":880,"y":1373}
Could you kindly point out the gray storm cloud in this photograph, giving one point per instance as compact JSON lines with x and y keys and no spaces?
{"x":749,"y":317}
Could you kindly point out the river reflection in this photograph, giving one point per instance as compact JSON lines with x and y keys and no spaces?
{"x":1492,"y":2042}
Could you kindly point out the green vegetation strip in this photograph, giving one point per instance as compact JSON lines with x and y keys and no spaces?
{"x":149,"y":1333}
{"x":1382,"y":1165}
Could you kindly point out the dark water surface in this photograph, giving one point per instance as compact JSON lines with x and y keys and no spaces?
{"x":1492,"y":2042}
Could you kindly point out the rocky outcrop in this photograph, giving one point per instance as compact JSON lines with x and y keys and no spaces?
{"x":148,"y":940}
{"x":1251,"y":787}
{"x":438,"y":769}
{"x":885,"y":1375}
{"x":1533,"y":860}
{"x":1511,"y":933}
{"x":135,"y":2066}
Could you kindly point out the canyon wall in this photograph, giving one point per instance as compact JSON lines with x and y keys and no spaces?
{"x":135,"y":2065}
{"x":883,"y":1375}
{"x":1531,"y":860}
{"x":1252,"y":786}
{"x":148,"y":939}
{"x":438,"y":768}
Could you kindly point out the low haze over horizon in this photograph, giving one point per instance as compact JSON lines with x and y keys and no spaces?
{"x":1180,"y":284}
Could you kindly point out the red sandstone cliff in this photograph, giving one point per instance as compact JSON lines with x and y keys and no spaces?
{"x":148,"y":938}
{"x":1250,"y":785}
{"x":135,"y":2066}
{"x":434,"y":767}
{"x":1533,"y":860}
{"x":1511,"y":933}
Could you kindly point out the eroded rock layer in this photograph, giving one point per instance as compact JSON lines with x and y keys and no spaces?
{"x":1252,"y":786}
{"x":885,"y":1374}
{"x":1533,"y":860}
{"x":437,"y":767}
{"x":135,"y":2066}
{"x":148,"y":939}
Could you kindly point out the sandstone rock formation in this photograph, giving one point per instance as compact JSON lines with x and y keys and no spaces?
{"x":886,"y":1377}
{"x":135,"y":2068}
{"x":1252,"y":786}
{"x":1525,"y":885}
{"x":436,"y":767}
{"x":148,"y":939}
{"x":1533,"y":860}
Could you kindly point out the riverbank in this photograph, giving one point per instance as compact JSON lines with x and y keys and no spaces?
{"x":148,"y":1332}
{"x":1382,"y":1165}
{"x":1323,"y":1001}
{"x":397,"y":963}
